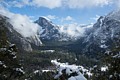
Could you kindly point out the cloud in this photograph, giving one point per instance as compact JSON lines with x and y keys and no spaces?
{"x":37,"y":3}
{"x":51,"y":4}
{"x":68,"y":18}
{"x":75,"y":30}
{"x":117,"y":2}
{"x":21,"y":23}
{"x":51,"y":17}
{"x":87,"y":3}
{"x":47,"y":3}
{"x":19,"y":4}
{"x":5,"y":12}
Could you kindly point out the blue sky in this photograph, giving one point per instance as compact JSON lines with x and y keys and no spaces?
{"x":62,"y":11}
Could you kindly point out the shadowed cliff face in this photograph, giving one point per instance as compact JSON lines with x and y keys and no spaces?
{"x":105,"y":33}
{"x":15,"y":37}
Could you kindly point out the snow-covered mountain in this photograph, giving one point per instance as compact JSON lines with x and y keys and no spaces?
{"x":14,"y":36}
{"x":48,"y":31}
{"x":105,"y":34}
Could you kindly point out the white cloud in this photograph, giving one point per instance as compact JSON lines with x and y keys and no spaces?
{"x":117,"y":2}
{"x":19,"y":4}
{"x":87,"y":3}
{"x":37,"y":3}
{"x":51,"y":17}
{"x":47,"y":3}
{"x":68,"y":18}
{"x":62,"y":3}
{"x":5,"y":12}
{"x":73,"y":30}
{"x":21,"y":23}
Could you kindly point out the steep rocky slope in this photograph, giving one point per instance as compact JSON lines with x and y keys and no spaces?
{"x":23,"y":43}
{"x":48,"y":30}
{"x":104,"y":35}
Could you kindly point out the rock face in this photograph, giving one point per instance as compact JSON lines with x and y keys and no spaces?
{"x":109,"y":28}
{"x":23,"y":43}
{"x":48,"y":31}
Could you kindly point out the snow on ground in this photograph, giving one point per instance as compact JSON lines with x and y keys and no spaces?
{"x":104,"y":68}
{"x":48,"y":51}
{"x":69,"y":69}
{"x":36,"y":71}
{"x":79,"y":77}
{"x":19,"y":70}
{"x":1,"y":63}
{"x":47,"y":70}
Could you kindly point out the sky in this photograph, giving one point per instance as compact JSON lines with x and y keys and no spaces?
{"x":70,"y":13}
